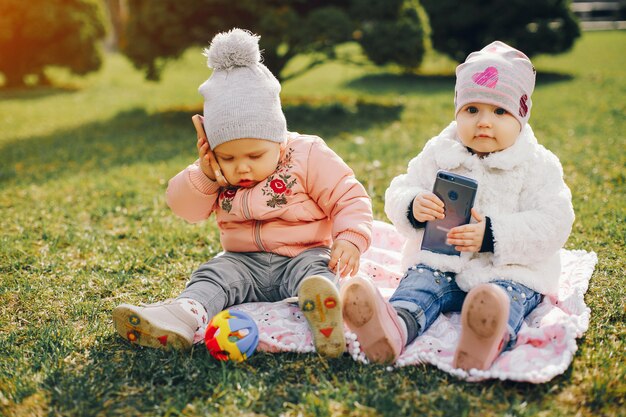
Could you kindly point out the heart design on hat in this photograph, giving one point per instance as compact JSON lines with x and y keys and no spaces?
{"x":488,"y":78}
{"x":523,"y":105}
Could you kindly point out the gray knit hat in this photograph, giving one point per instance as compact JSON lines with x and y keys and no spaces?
{"x":499,"y":75}
{"x":241,"y":98}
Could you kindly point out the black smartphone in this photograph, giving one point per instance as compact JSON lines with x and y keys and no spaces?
{"x":457,"y":193}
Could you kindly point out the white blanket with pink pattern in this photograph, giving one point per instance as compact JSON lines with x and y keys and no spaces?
{"x":546,"y":342}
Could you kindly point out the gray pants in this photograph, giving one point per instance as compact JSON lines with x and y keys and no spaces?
{"x":239,"y":277}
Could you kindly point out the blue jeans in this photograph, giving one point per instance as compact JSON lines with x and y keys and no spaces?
{"x":425,"y":292}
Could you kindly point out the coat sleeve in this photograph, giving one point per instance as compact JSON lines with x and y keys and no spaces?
{"x":333,"y":186}
{"x":544,"y":221}
{"x":191,"y":194}
{"x":418,"y":179}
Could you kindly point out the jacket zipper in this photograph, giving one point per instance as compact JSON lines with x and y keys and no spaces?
{"x":256,"y":230}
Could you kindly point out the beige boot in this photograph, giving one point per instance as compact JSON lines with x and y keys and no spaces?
{"x":164,"y":325}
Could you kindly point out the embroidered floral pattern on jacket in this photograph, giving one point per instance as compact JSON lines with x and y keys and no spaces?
{"x":227,"y":196}
{"x":278,"y":185}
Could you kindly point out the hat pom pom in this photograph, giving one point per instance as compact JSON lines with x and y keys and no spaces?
{"x":235,"y":48}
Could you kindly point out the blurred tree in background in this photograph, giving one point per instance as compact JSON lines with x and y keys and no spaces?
{"x":390,"y":31}
{"x":386,"y":24}
{"x":35,"y":34}
{"x":533,"y":26}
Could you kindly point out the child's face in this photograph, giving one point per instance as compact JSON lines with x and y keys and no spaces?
{"x":246,"y":162}
{"x":486,"y":128}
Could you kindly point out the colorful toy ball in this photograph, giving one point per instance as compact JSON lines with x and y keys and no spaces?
{"x":231,"y":335}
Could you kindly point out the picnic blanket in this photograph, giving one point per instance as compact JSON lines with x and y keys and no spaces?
{"x":546,"y":342}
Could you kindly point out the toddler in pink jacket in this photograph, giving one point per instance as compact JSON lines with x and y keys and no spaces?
{"x":290,"y":211}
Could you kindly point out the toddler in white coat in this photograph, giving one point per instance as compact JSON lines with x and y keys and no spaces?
{"x":509,"y":252}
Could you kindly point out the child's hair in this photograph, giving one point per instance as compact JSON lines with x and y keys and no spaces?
{"x":241,"y":98}
{"x":499,"y":75}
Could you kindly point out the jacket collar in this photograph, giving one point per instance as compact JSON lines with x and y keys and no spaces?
{"x":454,"y":154}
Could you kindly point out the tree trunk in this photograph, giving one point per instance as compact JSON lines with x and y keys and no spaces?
{"x":118,"y":13}
{"x":13,"y":80}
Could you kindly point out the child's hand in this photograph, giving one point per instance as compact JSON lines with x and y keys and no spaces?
{"x":208,"y":164}
{"x":469,"y":237}
{"x":349,"y":255}
{"x":206,"y":158}
{"x":427,"y":206}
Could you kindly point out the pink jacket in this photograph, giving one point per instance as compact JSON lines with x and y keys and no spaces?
{"x":310,"y":200}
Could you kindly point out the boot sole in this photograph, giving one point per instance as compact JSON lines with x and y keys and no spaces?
{"x":369,"y":319}
{"x":484,"y":319}
{"x":134,"y":327}
{"x":319,"y":301}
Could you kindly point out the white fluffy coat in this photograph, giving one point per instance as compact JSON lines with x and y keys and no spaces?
{"x":520,"y":188}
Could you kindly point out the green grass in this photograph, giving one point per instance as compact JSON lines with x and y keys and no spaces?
{"x":84,"y":226}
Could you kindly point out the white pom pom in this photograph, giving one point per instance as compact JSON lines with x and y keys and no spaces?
{"x":235,"y":48}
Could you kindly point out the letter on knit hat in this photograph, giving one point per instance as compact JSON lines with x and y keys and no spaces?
{"x":242,"y":97}
{"x":499,"y":75}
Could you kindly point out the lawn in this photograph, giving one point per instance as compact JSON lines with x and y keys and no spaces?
{"x":84,"y":227}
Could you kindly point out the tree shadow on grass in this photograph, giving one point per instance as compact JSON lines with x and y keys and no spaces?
{"x":122,"y":380}
{"x":118,"y":379}
{"x":407,"y":84}
{"x":342,"y":114}
{"x":138,"y":137}
{"x":33,"y":93}
{"x":131,"y":137}
{"x":549,"y":77}
{"x":402,"y":83}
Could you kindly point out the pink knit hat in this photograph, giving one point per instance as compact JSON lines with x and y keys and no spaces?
{"x":497,"y":75}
